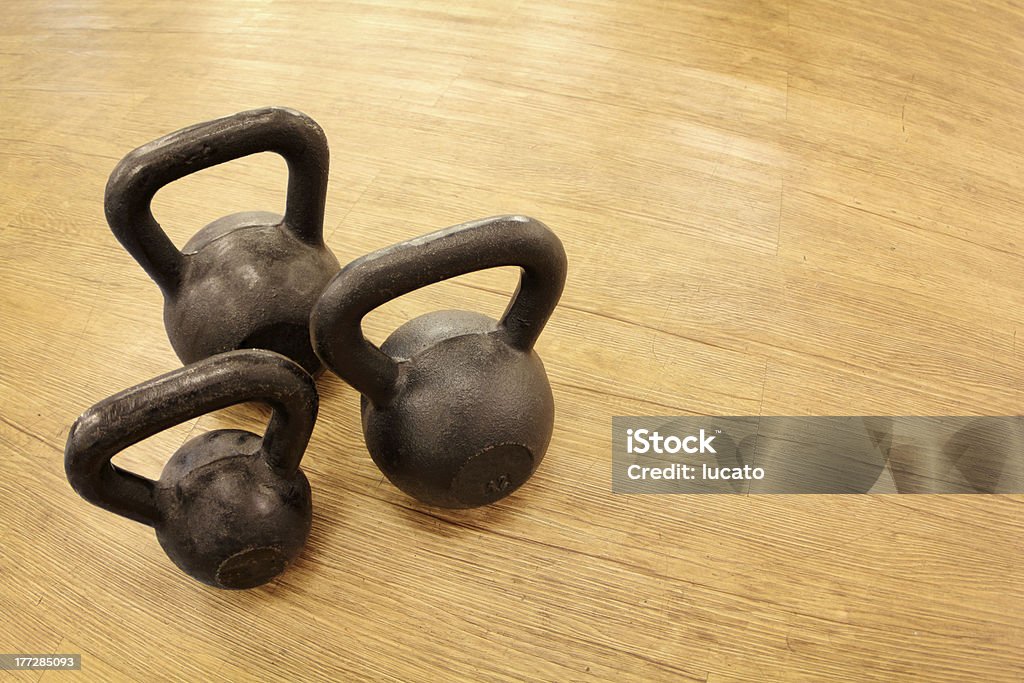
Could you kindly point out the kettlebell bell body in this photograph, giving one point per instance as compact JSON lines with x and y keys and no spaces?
{"x":457,"y":408}
{"x":230,"y":509}
{"x":247,"y":280}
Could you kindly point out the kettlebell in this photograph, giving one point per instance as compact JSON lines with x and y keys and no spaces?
{"x":247,"y":280}
{"x":231,"y":509}
{"x":457,"y":409}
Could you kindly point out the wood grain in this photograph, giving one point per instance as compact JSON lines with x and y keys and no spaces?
{"x":769,"y":208}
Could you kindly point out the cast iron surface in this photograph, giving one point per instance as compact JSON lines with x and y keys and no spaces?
{"x":457,"y":408}
{"x":247,"y":280}
{"x":231,"y":509}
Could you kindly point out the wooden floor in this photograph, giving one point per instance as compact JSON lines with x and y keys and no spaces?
{"x":805,"y":207}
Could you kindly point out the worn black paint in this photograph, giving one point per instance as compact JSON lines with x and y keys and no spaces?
{"x":457,"y":408}
{"x":248,"y":279}
{"x":231,"y":509}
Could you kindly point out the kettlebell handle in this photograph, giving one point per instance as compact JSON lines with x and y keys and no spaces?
{"x":127,"y":418}
{"x":138,"y":177}
{"x":374,"y":279}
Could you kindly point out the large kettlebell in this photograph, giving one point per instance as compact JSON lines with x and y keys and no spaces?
{"x":231,"y":509}
{"x":457,"y":409}
{"x":247,"y":280}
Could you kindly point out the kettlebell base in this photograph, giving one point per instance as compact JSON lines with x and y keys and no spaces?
{"x":492,"y":474}
{"x":251,"y":568}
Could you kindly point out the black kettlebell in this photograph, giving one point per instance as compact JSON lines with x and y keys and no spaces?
{"x":247,"y":280}
{"x":457,"y":409}
{"x":231,"y":509}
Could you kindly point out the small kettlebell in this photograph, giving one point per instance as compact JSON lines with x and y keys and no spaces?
{"x":247,"y":280}
{"x":457,"y":409}
{"x":231,"y":509}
